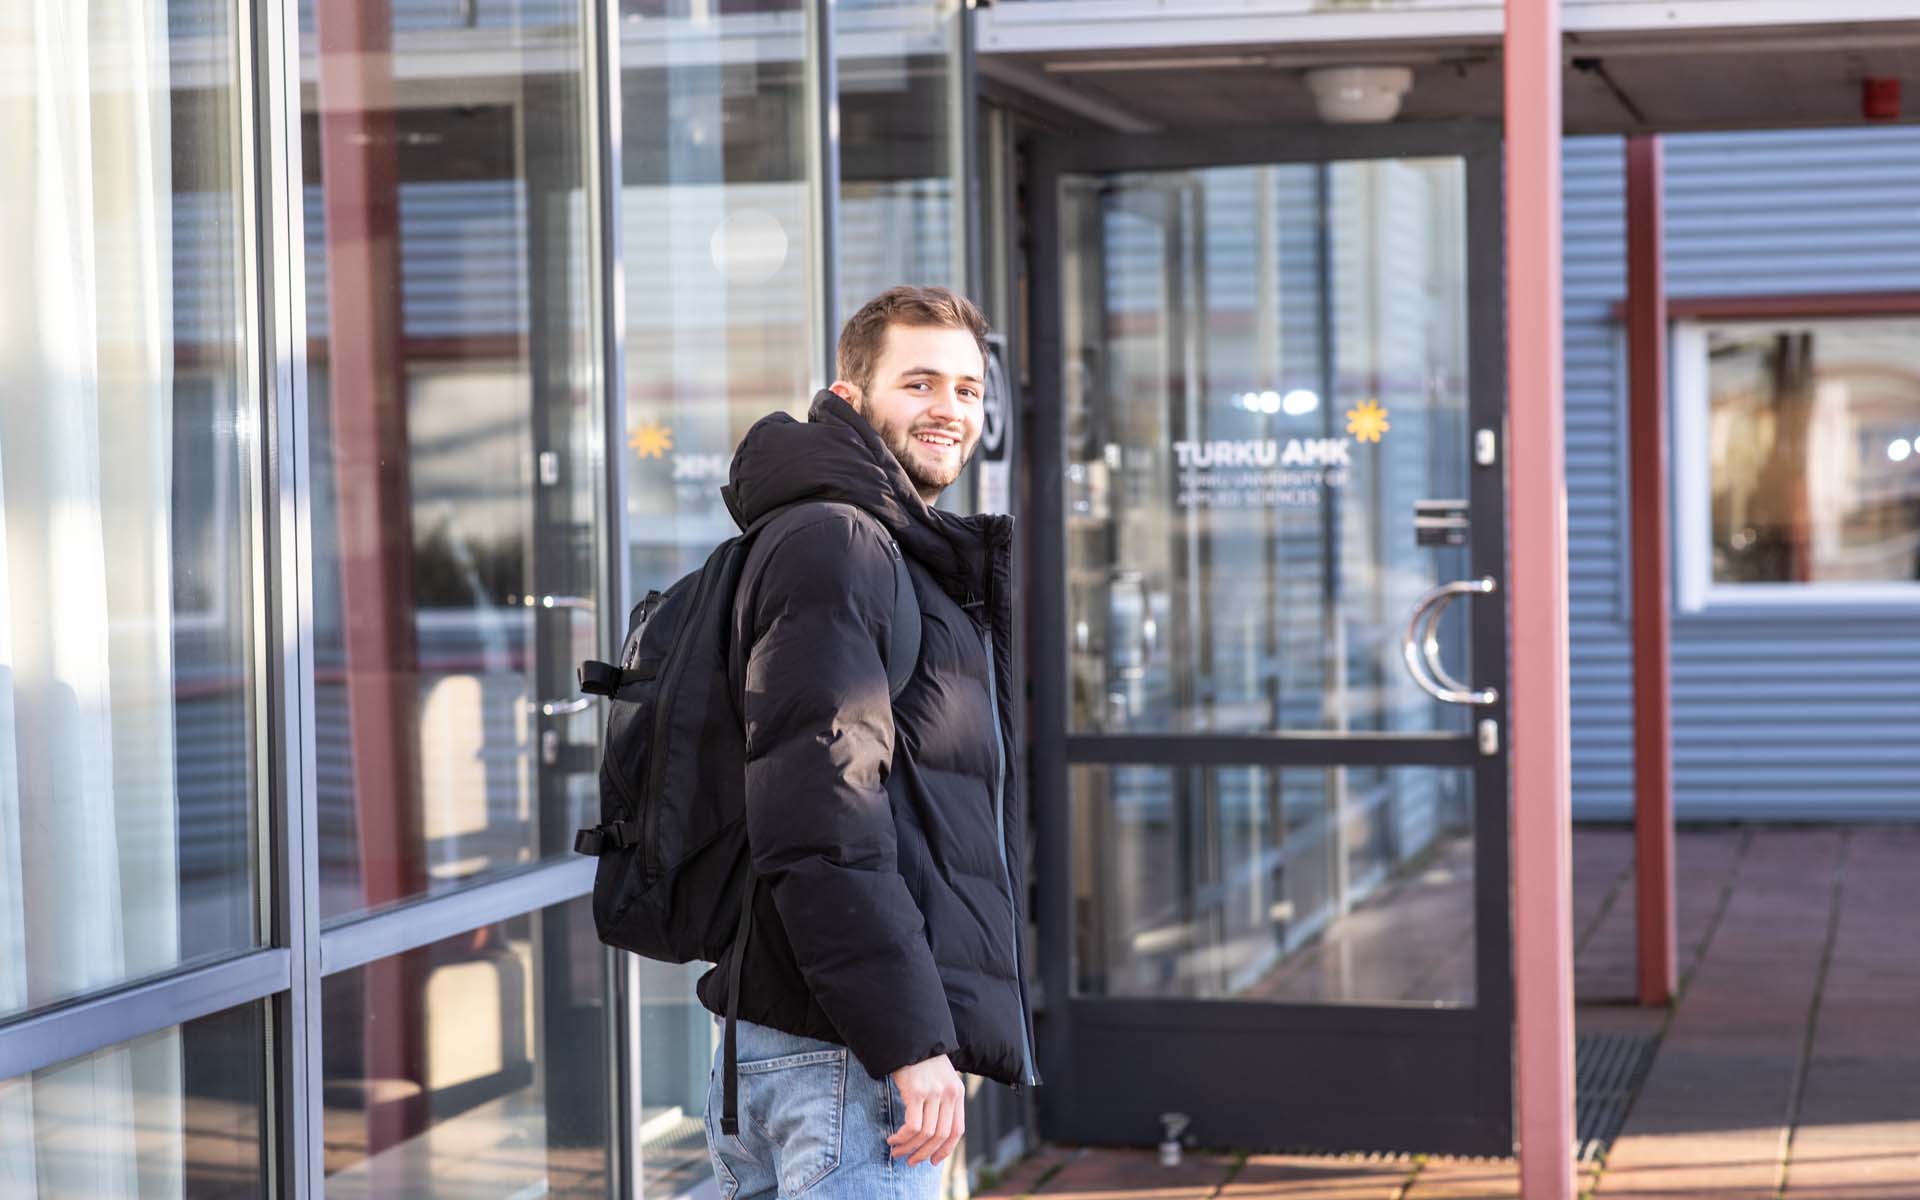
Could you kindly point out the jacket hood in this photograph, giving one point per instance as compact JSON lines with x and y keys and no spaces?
{"x":836,"y":455}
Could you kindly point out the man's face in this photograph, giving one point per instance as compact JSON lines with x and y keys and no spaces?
{"x":925,"y":402}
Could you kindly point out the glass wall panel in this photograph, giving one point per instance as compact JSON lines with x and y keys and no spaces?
{"x":722,"y":329}
{"x":1813,"y":447}
{"x":716,"y":228}
{"x":128,"y":692}
{"x":677,"y":1039}
{"x":473,"y":1067}
{"x":455,"y":439}
{"x":182,"y":1112}
{"x":1265,"y":371}
{"x":1320,"y":886}
{"x":901,"y":215}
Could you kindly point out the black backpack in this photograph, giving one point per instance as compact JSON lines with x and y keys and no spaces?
{"x":675,"y":878}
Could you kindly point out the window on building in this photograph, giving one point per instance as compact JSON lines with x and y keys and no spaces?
{"x":473,"y":1062}
{"x":900,"y":151}
{"x":288,"y":628}
{"x":128,"y":471}
{"x":1810,"y":435}
{"x":181,"y":1111}
{"x":452,"y":450}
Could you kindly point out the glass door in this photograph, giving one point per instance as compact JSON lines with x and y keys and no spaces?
{"x":1270,"y":649}
{"x":453,"y":435}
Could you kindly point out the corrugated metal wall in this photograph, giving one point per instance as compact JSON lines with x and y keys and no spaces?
{"x":1593,"y":195}
{"x":1807,"y":713}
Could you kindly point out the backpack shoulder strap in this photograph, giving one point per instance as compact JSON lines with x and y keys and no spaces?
{"x":903,"y":645}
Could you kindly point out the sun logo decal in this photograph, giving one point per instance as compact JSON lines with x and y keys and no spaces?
{"x":651,"y":441}
{"x":1366,"y":421}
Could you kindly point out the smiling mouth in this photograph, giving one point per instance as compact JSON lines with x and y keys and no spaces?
{"x":939,"y":441}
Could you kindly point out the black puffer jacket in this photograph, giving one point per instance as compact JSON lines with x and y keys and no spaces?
{"x":888,"y":836}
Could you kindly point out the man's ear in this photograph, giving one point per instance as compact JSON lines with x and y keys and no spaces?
{"x":845,"y":391}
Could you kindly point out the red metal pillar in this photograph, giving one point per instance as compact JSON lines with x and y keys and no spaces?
{"x":1536,"y":458}
{"x":360,"y":189}
{"x":1658,"y":969}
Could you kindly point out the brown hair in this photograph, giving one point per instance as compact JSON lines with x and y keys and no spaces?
{"x":864,"y":335}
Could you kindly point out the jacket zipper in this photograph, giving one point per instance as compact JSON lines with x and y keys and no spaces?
{"x":1029,"y":1074}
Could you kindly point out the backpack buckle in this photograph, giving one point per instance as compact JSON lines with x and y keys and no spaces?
{"x":598,"y":678}
{"x":615,"y":835}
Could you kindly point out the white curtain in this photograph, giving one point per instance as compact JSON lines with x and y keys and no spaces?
{"x":88,"y":849}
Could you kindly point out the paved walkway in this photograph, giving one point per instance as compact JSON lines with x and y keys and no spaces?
{"x":1789,"y":1069}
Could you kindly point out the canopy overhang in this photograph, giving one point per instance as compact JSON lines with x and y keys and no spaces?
{"x":1631,"y":67}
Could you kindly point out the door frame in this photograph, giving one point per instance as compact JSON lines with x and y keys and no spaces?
{"x":1112,"y":1064}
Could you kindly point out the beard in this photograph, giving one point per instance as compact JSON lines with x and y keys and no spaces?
{"x":930,"y":479}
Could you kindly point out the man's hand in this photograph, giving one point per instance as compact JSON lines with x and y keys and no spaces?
{"x":936,"y":1111}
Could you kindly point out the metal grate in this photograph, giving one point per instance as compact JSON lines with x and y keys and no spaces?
{"x":683,"y":1133}
{"x":1608,"y":1068}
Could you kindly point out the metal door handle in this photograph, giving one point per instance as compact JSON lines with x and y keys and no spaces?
{"x":570,"y":604}
{"x":1420,"y":645}
{"x":1430,"y":650}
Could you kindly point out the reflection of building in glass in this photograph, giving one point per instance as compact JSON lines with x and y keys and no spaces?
{"x":1809,"y":430}
{"x":310,"y":454}
{"x":1292,"y":886}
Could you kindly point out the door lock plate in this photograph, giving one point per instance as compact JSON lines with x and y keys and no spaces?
{"x":1440,"y":522}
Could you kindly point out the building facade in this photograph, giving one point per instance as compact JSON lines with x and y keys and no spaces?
{"x":360,"y":355}
{"x":362,"y":359}
{"x":1791,"y":684}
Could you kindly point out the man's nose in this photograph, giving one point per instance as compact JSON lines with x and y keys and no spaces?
{"x":946,"y":404}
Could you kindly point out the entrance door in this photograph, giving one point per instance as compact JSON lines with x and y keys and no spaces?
{"x":1269,"y":647}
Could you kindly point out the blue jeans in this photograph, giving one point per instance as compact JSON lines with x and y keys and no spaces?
{"x":813,"y":1123}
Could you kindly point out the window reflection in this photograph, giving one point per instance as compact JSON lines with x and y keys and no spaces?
{"x":716,"y":233}
{"x":1343,"y":885}
{"x":473,"y":1067}
{"x":1265,"y":371}
{"x":899,"y":156}
{"x":717,"y":230}
{"x":181,"y":1112}
{"x":1814,"y":445}
{"x":453,"y":439}
{"x":677,"y":1037}
{"x":127,"y":442}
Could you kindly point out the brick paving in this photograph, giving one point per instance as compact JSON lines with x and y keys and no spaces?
{"x":1346,"y":1178}
{"x":1857,"y":1132}
{"x":1788,"y":1070}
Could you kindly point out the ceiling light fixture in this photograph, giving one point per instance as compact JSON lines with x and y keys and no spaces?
{"x":1359,"y":95}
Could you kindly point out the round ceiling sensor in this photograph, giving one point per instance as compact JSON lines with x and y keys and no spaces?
{"x":1359,"y":95}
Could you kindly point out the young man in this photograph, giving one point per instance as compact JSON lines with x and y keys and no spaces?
{"x":885,"y":831}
